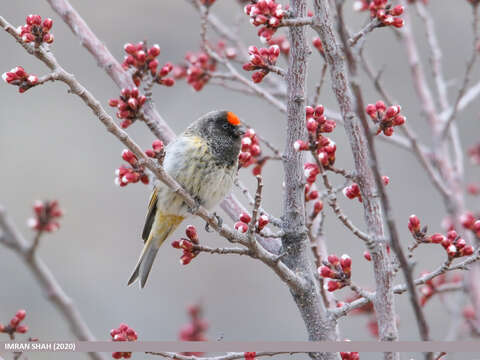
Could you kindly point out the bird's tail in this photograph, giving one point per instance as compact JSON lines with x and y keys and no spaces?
{"x":163,"y":226}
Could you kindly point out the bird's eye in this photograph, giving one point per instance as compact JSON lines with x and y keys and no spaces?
{"x":225,"y":126}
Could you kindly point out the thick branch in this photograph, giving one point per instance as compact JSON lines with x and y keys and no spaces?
{"x":295,"y":242}
{"x":384,"y":304}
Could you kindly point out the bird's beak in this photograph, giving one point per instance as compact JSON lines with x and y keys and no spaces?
{"x":240,"y":130}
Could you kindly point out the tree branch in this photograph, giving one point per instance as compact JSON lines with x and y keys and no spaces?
{"x":48,"y":283}
{"x":295,"y":242}
{"x":384,"y":303}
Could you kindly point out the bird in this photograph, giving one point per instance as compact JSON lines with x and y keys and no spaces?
{"x":204,"y":161}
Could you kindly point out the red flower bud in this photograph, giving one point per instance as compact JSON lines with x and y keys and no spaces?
{"x":333,"y":259}
{"x":326,"y":272}
{"x":21,"y":314}
{"x":21,"y":329}
{"x":154,"y":50}
{"x":262,"y":221}
{"x":191,"y":233}
{"x":47,"y":23}
{"x":300,"y":145}
{"x":437,"y":238}
{"x":317,"y":207}
{"x":244,"y":217}
{"x":333,"y":285}
{"x":413,"y":224}
{"x":186,"y":245}
{"x":346,"y":263}
{"x":241,"y":227}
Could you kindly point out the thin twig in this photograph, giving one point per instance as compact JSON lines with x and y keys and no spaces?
{"x":468,"y":71}
{"x":318,"y":88}
{"x":374,"y":23}
{"x":222,"y":251}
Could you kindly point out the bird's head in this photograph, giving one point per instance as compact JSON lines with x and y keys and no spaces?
{"x":220,"y":125}
{"x":222,"y":131}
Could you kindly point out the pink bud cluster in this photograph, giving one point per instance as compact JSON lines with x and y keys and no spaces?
{"x":431,"y":286}
{"x":195,"y":330}
{"x":200,"y":67}
{"x":187,"y":245}
{"x":19,"y":77}
{"x":267,"y":14}
{"x":157,"y":151}
{"x":46,"y":215}
{"x":129,"y":104}
{"x":317,"y":44}
{"x":244,"y":219}
{"x":144,"y":61}
{"x":123,"y":333}
{"x":353,"y":191}
{"x":350,"y":356}
{"x":337,"y":269}
{"x":250,"y":355}
{"x":250,"y":152}
{"x":36,"y":31}
{"x":454,"y":245}
{"x":261,"y":60}
{"x":133,"y":174}
{"x":14,"y":326}
{"x":385,"y":118}
{"x":311,"y":194}
{"x":382,"y":10}
{"x":282,"y":42}
{"x":317,"y":123}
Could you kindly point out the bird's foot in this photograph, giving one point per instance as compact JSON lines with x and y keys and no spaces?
{"x":219,"y":223}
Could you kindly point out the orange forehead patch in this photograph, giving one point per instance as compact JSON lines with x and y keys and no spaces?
{"x":233,"y":119}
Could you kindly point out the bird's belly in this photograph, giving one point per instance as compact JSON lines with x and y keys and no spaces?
{"x":215,"y":185}
{"x":196,"y":171}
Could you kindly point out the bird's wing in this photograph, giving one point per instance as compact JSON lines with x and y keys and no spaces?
{"x":152,"y":210}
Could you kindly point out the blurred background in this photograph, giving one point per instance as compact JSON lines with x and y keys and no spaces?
{"x":52,"y":147}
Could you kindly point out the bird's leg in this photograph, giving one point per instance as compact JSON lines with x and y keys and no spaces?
{"x":219,"y":223}
{"x":219,"y":219}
